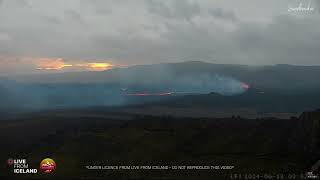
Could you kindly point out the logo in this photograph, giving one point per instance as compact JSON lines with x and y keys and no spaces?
{"x":48,"y":165}
{"x":301,"y":7}
{"x":21,"y":166}
{"x":10,"y":162}
{"x":315,"y":170}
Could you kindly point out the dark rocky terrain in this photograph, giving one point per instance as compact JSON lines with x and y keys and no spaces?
{"x":76,"y":138}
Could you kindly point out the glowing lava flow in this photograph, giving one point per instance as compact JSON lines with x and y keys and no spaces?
{"x":245,"y":86}
{"x":150,"y":94}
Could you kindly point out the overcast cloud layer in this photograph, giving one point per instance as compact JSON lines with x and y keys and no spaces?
{"x":130,"y":32}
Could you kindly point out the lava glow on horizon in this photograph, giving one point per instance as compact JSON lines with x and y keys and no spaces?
{"x":245,"y":86}
{"x":151,"y":94}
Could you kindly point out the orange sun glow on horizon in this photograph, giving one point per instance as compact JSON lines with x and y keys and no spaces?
{"x":51,"y":64}
{"x":60,"y":64}
{"x":100,"y":66}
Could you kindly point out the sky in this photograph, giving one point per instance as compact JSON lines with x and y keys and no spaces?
{"x":75,"y":35}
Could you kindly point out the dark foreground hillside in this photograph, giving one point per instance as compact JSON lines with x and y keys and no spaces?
{"x":251,"y":146}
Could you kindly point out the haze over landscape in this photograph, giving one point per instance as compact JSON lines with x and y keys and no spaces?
{"x":170,"y":82}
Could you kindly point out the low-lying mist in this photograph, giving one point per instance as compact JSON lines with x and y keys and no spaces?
{"x":157,"y":84}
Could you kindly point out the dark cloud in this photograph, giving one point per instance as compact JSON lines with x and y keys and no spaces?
{"x":221,"y":13}
{"x":74,"y":16}
{"x":180,"y":9}
{"x":101,"y":7}
{"x":317,"y":4}
{"x":151,"y":31}
{"x":287,"y":39}
{"x":19,"y":3}
{"x":52,"y":20}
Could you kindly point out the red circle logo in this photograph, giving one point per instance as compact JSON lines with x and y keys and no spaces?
{"x":48,"y":165}
{"x":10,"y":162}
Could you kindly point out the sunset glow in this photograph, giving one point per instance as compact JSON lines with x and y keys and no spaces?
{"x":95,"y":66}
{"x":60,"y":64}
{"x":51,"y":64}
{"x":100,"y":66}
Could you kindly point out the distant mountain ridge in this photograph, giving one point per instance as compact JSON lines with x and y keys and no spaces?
{"x":272,"y":77}
{"x":278,"y":88}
